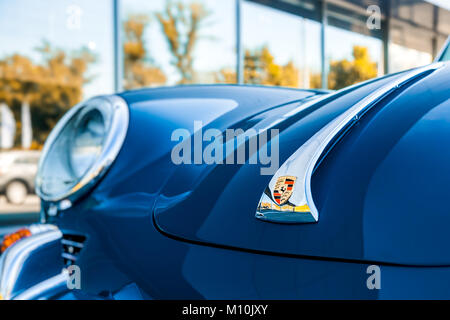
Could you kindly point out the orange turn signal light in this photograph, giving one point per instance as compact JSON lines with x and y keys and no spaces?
{"x":12,"y":238}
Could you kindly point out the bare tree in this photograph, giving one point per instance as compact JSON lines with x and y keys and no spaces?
{"x":181,"y":24}
{"x":139,"y":69}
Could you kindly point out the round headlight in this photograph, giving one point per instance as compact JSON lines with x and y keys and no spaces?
{"x":81,"y":148}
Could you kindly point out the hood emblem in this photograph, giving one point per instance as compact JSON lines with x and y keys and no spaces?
{"x":283,"y":189}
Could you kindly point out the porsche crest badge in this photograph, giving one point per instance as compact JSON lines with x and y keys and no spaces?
{"x":283,"y":189}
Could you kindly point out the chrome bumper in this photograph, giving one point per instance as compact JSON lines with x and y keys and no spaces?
{"x":32,"y":268}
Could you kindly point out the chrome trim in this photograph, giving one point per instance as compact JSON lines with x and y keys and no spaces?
{"x":46,"y":289}
{"x":443,"y":50}
{"x":12,"y":260}
{"x":69,"y":256}
{"x":40,"y":228}
{"x":302,"y":163}
{"x":72,"y":243}
{"x":113,"y":144}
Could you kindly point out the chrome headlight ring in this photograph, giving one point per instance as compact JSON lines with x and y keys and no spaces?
{"x":107,"y":134}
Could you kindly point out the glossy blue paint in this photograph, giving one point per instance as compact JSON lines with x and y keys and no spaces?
{"x":392,"y":176}
{"x":228,"y":193}
{"x":188,"y":232}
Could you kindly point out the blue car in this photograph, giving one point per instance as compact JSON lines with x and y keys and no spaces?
{"x":244,"y":192}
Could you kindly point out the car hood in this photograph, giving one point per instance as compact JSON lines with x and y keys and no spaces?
{"x":362,"y":188}
{"x":362,"y":218}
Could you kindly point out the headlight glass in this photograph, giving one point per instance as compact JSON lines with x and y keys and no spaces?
{"x":87,"y":140}
{"x":82,"y":145}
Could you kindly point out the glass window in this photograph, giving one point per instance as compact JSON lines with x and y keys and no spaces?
{"x":53,"y":55}
{"x":410,"y":36}
{"x":416,"y":33}
{"x":52,"y":59}
{"x":279,"y":48}
{"x":353,"y":50}
{"x":352,"y":57}
{"x":403,"y":58}
{"x":418,"y":12}
{"x":178,"y":42}
{"x":443,"y":20}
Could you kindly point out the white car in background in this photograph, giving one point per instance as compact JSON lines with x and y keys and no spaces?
{"x":17,"y":174}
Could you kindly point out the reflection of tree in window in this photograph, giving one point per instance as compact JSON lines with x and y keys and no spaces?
{"x":50,"y":87}
{"x":260,"y":68}
{"x":181,"y":24}
{"x":138,"y":69}
{"x":344,"y":73}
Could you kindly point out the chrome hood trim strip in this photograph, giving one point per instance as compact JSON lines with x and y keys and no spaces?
{"x":300,"y":166}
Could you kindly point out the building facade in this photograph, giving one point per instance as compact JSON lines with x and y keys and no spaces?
{"x":55,"y":53}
